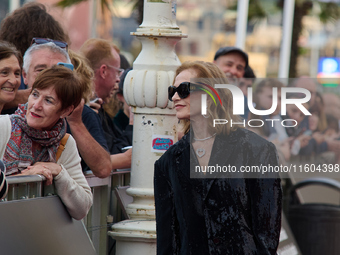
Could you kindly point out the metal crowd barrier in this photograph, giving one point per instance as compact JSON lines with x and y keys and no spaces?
{"x":104,"y":212}
{"x":24,"y":187}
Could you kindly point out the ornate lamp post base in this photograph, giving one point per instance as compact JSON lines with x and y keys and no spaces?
{"x":154,"y":125}
{"x":135,"y":237}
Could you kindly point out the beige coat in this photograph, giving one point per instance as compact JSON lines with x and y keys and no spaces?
{"x":70,"y":183}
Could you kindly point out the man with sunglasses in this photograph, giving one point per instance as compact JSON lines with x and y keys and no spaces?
{"x":39,"y":57}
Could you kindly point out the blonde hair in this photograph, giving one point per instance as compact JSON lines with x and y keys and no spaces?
{"x":85,"y":72}
{"x":210,"y":74}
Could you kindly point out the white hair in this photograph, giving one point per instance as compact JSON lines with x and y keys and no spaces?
{"x":35,"y":47}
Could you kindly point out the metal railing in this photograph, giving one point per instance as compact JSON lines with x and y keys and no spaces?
{"x":24,"y":187}
{"x":97,"y":219}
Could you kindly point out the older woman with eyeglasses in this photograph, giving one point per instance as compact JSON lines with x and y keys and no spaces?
{"x":32,"y":135}
{"x":203,"y":212}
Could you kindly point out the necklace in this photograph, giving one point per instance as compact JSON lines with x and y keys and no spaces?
{"x":203,"y":139}
{"x":200,"y":152}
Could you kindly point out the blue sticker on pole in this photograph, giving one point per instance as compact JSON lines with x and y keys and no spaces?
{"x":161,"y":143}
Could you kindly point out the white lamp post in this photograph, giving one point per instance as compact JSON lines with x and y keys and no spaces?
{"x":13,"y":5}
{"x":241,"y":23}
{"x":287,"y":30}
{"x":155,"y":124}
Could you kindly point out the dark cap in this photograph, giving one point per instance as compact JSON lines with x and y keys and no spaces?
{"x":122,"y":79}
{"x":225,"y":50}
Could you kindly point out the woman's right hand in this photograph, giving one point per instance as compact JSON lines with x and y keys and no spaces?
{"x":41,"y":170}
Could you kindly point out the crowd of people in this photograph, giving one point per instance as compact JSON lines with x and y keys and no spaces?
{"x":48,"y":91}
{"x":236,"y":213}
{"x":315,"y":136}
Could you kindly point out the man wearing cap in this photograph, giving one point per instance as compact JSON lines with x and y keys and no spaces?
{"x":232,"y":61}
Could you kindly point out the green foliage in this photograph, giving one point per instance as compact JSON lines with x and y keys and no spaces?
{"x":303,"y":51}
{"x":330,"y":12}
{"x":137,"y":7}
{"x":66,"y":3}
{"x":256,"y":11}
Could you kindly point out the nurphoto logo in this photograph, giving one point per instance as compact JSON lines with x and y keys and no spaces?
{"x":239,"y":103}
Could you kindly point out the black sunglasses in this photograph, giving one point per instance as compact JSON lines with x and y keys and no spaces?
{"x":61,"y":44}
{"x":183,"y":90}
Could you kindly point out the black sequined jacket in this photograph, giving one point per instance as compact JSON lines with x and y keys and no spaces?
{"x":220,"y":215}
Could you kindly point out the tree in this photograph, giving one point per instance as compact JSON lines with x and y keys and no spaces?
{"x":105,"y":4}
{"x":301,"y":9}
{"x":258,"y":9}
{"x":330,"y":12}
{"x":67,"y":3}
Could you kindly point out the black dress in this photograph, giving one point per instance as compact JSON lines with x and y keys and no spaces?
{"x":220,"y":215}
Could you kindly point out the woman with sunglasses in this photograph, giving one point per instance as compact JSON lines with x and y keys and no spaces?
{"x":31,"y":138}
{"x":198,"y":212}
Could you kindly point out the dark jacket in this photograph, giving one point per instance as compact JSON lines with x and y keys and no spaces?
{"x":116,"y":140}
{"x":220,"y":215}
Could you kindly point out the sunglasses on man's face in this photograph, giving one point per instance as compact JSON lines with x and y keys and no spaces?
{"x":60,"y":44}
{"x":183,"y":90}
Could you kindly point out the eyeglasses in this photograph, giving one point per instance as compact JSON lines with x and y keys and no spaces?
{"x":61,"y":44}
{"x":183,"y":90}
{"x":119,"y":70}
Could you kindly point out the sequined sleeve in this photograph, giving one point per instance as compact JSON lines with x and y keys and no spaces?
{"x":265,"y":199}
{"x":165,"y":212}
